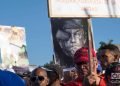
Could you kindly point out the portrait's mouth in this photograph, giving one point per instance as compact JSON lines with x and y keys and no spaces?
{"x":74,"y":45}
{"x":73,"y":48}
{"x":70,"y":50}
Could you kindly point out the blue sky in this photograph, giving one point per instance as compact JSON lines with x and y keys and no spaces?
{"x":33,"y":15}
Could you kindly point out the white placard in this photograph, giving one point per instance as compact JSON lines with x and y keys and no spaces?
{"x":84,"y":8}
{"x":13,"y":46}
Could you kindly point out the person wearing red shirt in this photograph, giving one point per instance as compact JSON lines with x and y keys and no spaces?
{"x":81,"y":61}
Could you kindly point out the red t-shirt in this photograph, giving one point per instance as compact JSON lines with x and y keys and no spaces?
{"x":79,"y":82}
{"x":102,"y":81}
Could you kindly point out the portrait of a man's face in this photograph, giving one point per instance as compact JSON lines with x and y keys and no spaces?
{"x":69,"y":34}
{"x":70,"y":40}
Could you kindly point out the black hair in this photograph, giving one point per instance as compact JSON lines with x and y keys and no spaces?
{"x":111,"y":47}
{"x":56,"y":73}
{"x":57,"y":69}
{"x":33,"y":73}
{"x":68,"y":23}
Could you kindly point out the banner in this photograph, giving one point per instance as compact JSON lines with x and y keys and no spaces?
{"x":13,"y":46}
{"x":69,"y":34}
{"x":84,"y":8}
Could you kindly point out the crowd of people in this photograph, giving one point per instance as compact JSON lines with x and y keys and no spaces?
{"x":102,"y":69}
{"x":108,"y":57}
{"x":105,"y":72}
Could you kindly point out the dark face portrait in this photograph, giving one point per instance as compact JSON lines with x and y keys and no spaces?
{"x":70,"y":40}
{"x":69,"y":35}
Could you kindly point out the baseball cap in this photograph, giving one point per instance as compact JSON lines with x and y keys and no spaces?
{"x":81,"y":55}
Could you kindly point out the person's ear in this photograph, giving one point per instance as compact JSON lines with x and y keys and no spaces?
{"x":47,"y":81}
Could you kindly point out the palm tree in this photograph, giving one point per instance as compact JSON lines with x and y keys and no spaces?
{"x":47,"y":65}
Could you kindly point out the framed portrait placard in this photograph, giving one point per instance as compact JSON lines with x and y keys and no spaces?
{"x":69,"y":35}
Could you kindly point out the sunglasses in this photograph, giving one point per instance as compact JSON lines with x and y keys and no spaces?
{"x":34,"y":78}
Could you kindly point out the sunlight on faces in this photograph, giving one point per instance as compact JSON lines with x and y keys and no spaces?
{"x":70,"y":40}
{"x":39,"y":78}
{"x":107,"y":57}
{"x":82,"y":63}
{"x":83,"y":68}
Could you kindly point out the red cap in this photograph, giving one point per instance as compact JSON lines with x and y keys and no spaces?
{"x":81,"y":55}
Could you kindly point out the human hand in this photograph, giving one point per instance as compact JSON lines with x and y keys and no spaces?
{"x":93,"y":78}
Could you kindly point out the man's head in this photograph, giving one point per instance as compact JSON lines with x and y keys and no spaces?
{"x":39,"y":77}
{"x":81,"y":60}
{"x":55,"y":75}
{"x":108,"y":54}
{"x":70,"y":35}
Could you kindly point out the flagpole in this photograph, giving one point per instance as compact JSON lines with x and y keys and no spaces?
{"x":90,"y":44}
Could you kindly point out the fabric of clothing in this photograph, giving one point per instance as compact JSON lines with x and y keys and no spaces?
{"x":79,"y":82}
{"x":8,"y":78}
{"x":102,"y":81}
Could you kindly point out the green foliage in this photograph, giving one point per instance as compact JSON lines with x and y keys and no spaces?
{"x":47,"y":65}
